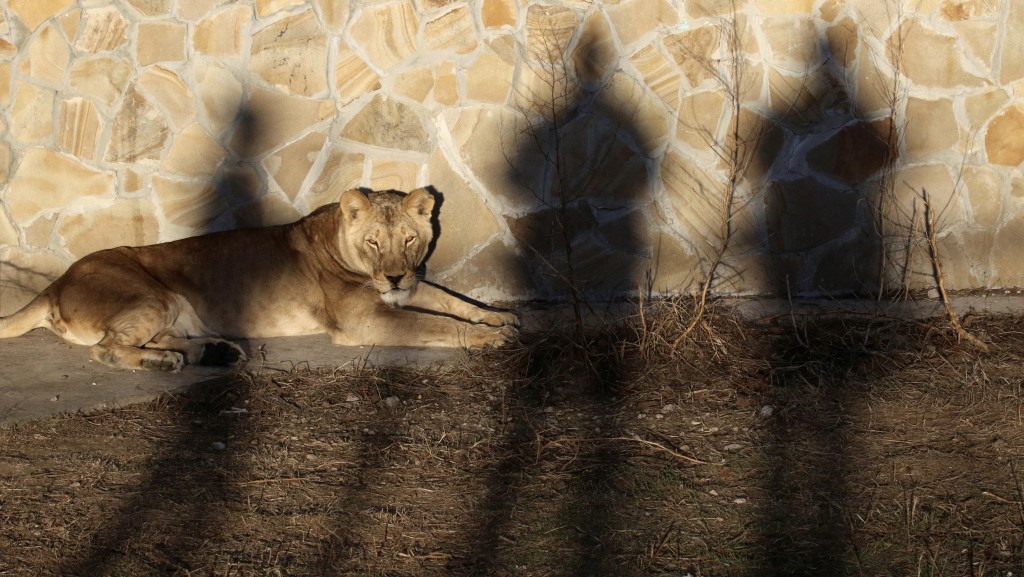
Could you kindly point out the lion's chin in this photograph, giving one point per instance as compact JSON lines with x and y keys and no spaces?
{"x":396,"y":297}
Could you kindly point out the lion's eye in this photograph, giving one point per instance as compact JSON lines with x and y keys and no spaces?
{"x":409,"y":240}
{"x":372,"y":243}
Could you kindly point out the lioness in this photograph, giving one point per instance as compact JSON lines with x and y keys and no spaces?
{"x":348,"y":269}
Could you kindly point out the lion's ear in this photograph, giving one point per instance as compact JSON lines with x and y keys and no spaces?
{"x":419,"y":202}
{"x":352,"y":203}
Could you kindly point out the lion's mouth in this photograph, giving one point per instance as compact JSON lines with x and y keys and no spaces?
{"x":395,"y":297}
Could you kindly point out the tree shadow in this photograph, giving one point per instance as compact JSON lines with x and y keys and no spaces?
{"x":170,"y":515}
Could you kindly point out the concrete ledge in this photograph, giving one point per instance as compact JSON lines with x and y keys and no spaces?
{"x":41,"y":375}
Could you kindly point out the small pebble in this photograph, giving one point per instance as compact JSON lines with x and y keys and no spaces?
{"x":392,"y":402}
{"x":352,"y":398}
{"x":218,"y":446}
{"x":766,"y":411}
{"x":733,"y":447}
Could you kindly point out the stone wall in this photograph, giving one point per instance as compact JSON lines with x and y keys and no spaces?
{"x":602,"y":135}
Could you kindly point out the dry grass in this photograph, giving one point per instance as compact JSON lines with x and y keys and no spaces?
{"x":835,"y":447}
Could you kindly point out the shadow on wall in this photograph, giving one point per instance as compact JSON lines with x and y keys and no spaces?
{"x":824,"y":209}
{"x":169,"y":519}
{"x":578,"y":173}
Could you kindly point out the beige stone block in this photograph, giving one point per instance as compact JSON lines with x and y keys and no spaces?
{"x":389,"y":123}
{"x":634,"y":19}
{"x":489,"y":78}
{"x":268,"y":210}
{"x":386,"y":174}
{"x":342,"y":171}
{"x":929,"y":58}
{"x":194,"y":10}
{"x":982,"y":106}
{"x":595,"y":55}
{"x":496,"y":145}
{"x":1009,"y":267}
{"x":47,"y":57}
{"x":842,"y":40}
{"x":78,"y":128}
{"x":415,"y":84}
{"x":48,"y":181}
{"x":5,"y":80}
{"x":278,"y":119}
{"x":32,"y":113}
{"x":694,"y":51}
{"x":34,"y":12}
{"x":805,"y":214}
{"x":290,"y":165}
{"x":446,"y":84}
{"x":7,"y":50}
{"x":8,"y":232}
{"x":104,"y":29}
{"x":266,"y":8}
{"x":160,"y":42}
{"x":985,"y":194}
{"x":40,"y":231}
{"x":291,"y":54}
{"x":70,"y":22}
{"x":630,"y":233}
{"x":957,"y":10}
{"x":1003,"y":141}
{"x":496,"y":273}
{"x":452,"y":31}
{"x":659,"y":74}
{"x":938,"y":182}
{"x":165,"y":88}
{"x":793,"y":42}
{"x":133,"y":180}
{"x":1011,"y":59}
{"x":930,"y":127}
{"x":102,"y":79}
{"x":126,"y":222}
{"x":695,"y":197}
{"x":854,"y":153}
{"x":498,"y":13}
{"x":220,"y":34}
{"x":433,"y":5}
{"x":386,"y":33}
{"x":335,"y":14}
{"x":637,"y":111}
{"x":979,"y":38}
{"x":240,"y":183}
{"x":354,"y":78}
{"x":777,"y":7}
{"x":465,"y":220}
{"x":674,"y":269}
{"x":193,"y":154}
{"x":5,"y":162}
{"x":151,"y":8}
{"x":548,"y":32}
{"x":188,"y":204}
{"x":699,"y":119}
{"x":24,"y":275}
{"x":138,"y":132}
{"x":220,"y":95}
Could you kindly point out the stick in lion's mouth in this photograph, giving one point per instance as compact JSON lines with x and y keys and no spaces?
{"x":348,"y":270}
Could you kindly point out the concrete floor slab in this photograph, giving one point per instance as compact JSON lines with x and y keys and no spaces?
{"x":41,"y":375}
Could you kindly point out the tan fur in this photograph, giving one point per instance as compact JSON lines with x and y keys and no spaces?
{"x":347,"y":269}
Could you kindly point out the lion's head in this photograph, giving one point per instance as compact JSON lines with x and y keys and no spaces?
{"x":385,"y":235}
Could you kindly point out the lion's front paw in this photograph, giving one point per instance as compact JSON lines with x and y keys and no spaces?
{"x":484,"y":336}
{"x":499,"y":319}
{"x":162,"y":361}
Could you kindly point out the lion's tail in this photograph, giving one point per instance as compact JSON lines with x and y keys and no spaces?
{"x":34,"y":315}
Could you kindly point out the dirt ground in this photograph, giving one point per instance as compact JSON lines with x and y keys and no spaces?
{"x":857,"y":446}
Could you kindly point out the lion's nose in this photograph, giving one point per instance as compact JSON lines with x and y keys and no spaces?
{"x":394,"y":279}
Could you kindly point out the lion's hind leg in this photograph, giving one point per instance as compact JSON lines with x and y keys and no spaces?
{"x":203,"y":351}
{"x":127,"y":333}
